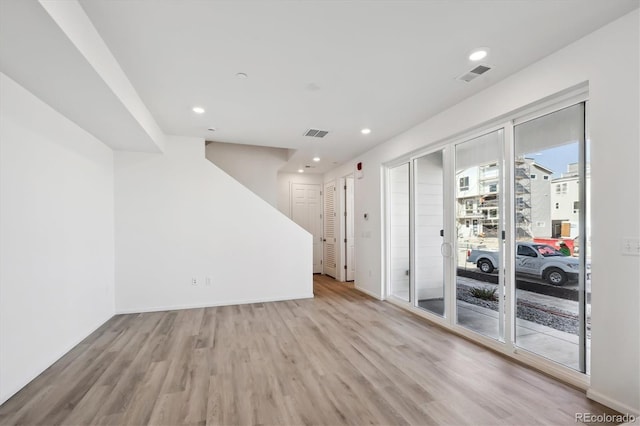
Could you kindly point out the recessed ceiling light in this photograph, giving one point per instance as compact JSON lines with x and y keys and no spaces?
{"x":241,"y":75}
{"x":300,"y":170}
{"x":478,"y":54}
{"x":365,"y":131}
{"x":198,"y":110}
{"x":316,"y":159}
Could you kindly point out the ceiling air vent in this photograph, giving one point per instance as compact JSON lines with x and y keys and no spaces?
{"x":477,"y":71}
{"x":315,"y":133}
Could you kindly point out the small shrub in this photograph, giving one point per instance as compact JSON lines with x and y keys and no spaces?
{"x":484,"y":293}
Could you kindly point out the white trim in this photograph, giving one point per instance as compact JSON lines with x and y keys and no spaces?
{"x":338,"y":202}
{"x":554,"y":369}
{"x":450,"y":232}
{"x":54,"y":359}
{"x":551,"y":104}
{"x":367,"y":292}
{"x":509,"y":223}
{"x":384,"y":236}
{"x":385,"y":232}
{"x":209,"y":305}
{"x":290,"y":206}
{"x":612,"y":403}
{"x":343,"y":222}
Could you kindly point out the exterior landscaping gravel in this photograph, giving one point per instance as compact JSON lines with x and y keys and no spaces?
{"x":528,"y":310}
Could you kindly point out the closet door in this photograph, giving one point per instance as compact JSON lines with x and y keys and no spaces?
{"x":330,"y":230}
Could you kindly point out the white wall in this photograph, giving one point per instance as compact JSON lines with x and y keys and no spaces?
{"x":285,"y":180}
{"x":609,"y":60}
{"x":179,"y":216}
{"x":256,"y":167}
{"x":368,"y":232}
{"x":57,"y":247}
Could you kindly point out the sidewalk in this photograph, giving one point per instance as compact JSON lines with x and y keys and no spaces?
{"x":550,"y":343}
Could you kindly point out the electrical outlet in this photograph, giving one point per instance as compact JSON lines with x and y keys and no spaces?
{"x":194,"y":281}
{"x":209,"y":281}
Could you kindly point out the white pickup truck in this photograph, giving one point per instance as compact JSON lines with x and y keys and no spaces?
{"x":539,"y":260}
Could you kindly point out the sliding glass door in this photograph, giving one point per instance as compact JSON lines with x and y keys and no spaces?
{"x":551,"y":263}
{"x":479,"y":226}
{"x":490,"y":234}
{"x":428,"y":172}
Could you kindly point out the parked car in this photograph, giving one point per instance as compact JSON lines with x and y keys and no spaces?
{"x":539,"y":260}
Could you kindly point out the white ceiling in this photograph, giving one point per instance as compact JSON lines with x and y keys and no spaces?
{"x":334,"y":65}
{"x":37,"y":53}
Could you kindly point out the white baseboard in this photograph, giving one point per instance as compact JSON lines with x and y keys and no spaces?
{"x":612,"y":403}
{"x":367,"y":292}
{"x":208,"y":305}
{"x":53,"y":359}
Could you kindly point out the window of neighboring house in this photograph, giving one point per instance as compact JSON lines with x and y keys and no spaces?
{"x":464,"y":183}
{"x":564,"y":188}
{"x":557,"y":188}
{"x":493,"y":213}
{"x":466,"y":223}
{"x":545,"y":177}
{"x":468,"y":206}
{"x":493,"y":187}
{"x":576,"y":206}
{"x":533,"y":176}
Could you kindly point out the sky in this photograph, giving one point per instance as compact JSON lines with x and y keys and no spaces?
{"x":556,"y":158}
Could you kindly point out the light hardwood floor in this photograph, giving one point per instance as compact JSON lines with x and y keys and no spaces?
{"x":341,"y":358}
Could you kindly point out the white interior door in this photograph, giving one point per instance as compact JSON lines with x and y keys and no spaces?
{"x":349,"y":232}
{"x":329,"y":265}
{"x":306,"y":211}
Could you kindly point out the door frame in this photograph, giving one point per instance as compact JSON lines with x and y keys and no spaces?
{"x":321,"y":207}
{"x":569,"y":97}
{"x":341,"y":274}
{"x":349,"y":218}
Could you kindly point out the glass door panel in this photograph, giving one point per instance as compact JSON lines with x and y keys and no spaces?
{"x":429,"y":226}
{"x":479,"y":224}
{"x":399,"y":251}
{"x":551,"y":272}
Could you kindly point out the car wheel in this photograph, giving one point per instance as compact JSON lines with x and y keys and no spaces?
{"x":485,"y":266}
{"x":556,"y":276}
